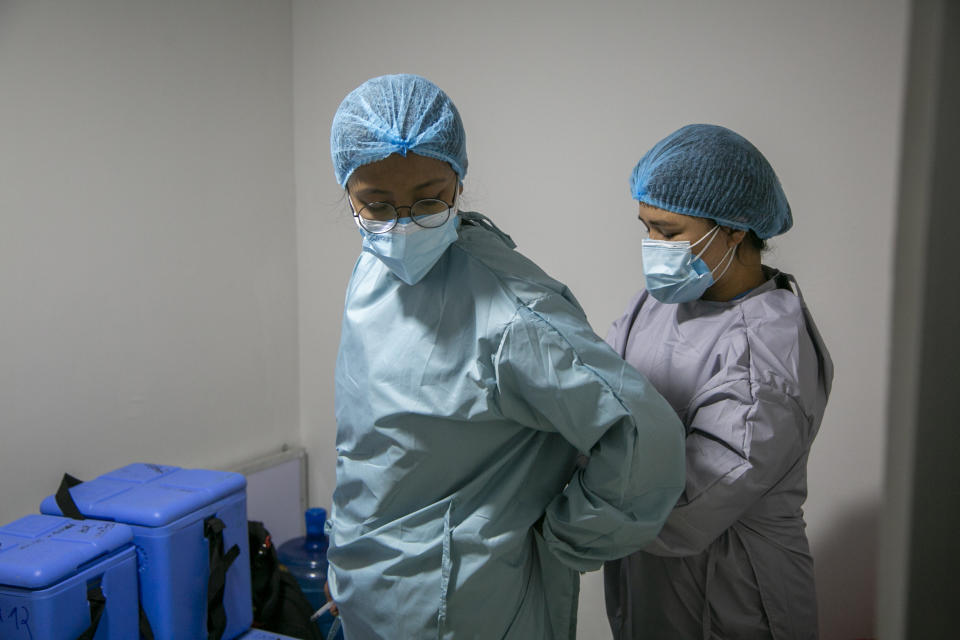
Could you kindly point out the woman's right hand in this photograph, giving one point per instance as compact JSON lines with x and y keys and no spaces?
{"x":326,"y":591}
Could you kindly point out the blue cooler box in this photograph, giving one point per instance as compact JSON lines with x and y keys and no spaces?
{"x":168,"y":509}
{"x":260,"y":634}
{"x":57,"y":573}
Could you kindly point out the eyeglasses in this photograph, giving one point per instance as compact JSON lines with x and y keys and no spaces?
{"x":381,"y":217}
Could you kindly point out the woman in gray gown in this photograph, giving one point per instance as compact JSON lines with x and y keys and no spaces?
{"x":730,"y":343}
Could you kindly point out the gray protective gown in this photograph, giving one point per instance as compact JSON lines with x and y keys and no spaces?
{"x":749,"y":379}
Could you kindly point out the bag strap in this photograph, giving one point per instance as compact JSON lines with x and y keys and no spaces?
{"x":216,"y":585}
{"x":98,"y":603}
{"x":65,"y":501}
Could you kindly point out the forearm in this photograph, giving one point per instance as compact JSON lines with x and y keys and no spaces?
{"x":617,"y":503}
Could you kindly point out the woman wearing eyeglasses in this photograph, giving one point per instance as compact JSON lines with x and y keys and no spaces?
{"x":731,"y":345}
{"x":467,"y":382}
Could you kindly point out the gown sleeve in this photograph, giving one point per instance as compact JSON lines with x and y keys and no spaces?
{"x":555,"y":374}
{"x":742,"y":440}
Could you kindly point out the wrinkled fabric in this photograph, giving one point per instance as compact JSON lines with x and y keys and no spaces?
{"x":750,"y":380}
{"x":709,"y":171}
{"x":462,"y":403}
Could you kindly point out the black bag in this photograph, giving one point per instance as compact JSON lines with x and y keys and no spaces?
{"x":278,"y":602}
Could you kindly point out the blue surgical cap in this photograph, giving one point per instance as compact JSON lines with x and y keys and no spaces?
{"x":712,"y":172}
{"x":396,"y":114}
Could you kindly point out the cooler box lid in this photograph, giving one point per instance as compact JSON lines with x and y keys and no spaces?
{"x":149,"y":495}
{"x":38,"y":551}
{"x":260,"y":634}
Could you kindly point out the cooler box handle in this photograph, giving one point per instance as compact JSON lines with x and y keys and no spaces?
{"x":98,"y":602}
{"x":65,"y":501}
{"x":219,"y":564}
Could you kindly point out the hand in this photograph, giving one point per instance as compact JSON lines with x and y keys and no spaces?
{"x":326,"y":591}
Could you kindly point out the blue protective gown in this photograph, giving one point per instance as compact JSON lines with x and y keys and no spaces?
{"x":750,"y":380}
{"x":462,"y":403}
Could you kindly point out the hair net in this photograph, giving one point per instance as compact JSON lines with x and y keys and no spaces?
{"x":396,"y":114}
{"x":712,"y":172}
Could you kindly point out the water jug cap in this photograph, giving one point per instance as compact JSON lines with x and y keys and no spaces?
{"x":316,"y":518}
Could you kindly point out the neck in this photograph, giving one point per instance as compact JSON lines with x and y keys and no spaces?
{"x":745,"y":273}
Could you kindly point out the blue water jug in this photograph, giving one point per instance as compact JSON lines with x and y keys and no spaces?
{"x":306,"y":558}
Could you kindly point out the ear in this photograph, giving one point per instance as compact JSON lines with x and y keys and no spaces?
{"x":734,"y":236}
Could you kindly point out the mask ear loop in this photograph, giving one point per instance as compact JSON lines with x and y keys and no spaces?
{"x":713,"y":234}
{"x":730,"y":252}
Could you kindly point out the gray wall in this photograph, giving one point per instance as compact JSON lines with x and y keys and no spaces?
{"x":148,"y":285}
{"x":559,"y":104}
{"x":918,"y":560}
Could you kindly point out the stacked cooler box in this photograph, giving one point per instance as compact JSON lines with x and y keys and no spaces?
{"x":62,"y":578}
{"x":189,"y":527}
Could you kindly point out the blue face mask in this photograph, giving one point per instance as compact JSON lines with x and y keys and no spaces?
{"x":409,"y":250}
{"x":674,"y":274}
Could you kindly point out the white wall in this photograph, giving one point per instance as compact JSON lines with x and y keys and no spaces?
{"x":149,"y":251}
{"x":148,"y":286}
{"x":560,"y":100}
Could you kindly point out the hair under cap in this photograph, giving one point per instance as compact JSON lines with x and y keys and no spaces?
{"x":396,"y":114}
{"x":712,"y":172}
